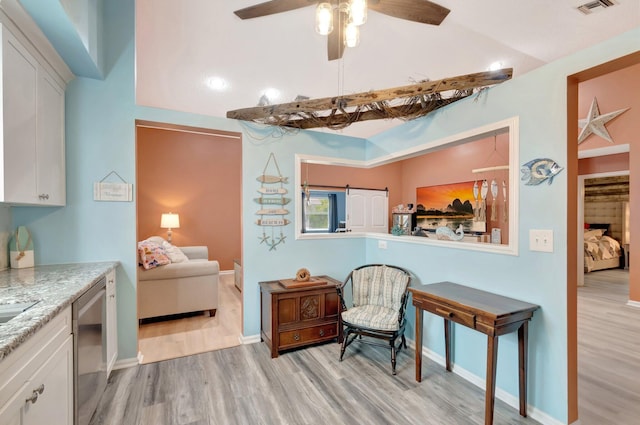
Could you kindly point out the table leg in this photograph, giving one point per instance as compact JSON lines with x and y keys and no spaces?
{"x":447,"y":343}
{"x":490,"y":395}
{"x":418,"y":344}
{"x":523,"y":357}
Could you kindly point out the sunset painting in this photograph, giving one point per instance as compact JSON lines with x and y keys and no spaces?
{"x":448,"y":205}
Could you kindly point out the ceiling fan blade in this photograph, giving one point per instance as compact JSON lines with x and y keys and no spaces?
{"x":271,"y":7}
{"x":335,"y":40}
{"x":422,"y":11}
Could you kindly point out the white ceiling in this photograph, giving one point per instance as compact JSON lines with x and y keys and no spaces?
{"x":181,"y":44}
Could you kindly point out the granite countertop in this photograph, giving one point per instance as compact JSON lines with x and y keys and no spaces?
{"x":54,"y":287}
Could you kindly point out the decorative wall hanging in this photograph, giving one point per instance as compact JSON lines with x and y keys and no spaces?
{"x":494,"y":194}
{"x":484,"y":189}
{"x":272,"y":192}
{"x":505,"y":214}
{"x":406,"y":103}
{"x":540,"y":170}
{"x":595,"y":123}
{"x":106,"y":191}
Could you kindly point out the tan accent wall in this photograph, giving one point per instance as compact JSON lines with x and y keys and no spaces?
{"x":603,"y":164}
{"x":198,"y":176}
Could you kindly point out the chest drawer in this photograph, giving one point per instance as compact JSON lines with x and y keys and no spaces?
{"x":448,"y":312}
{"x":308,"y":335}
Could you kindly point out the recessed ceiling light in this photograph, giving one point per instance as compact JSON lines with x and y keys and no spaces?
{"x":217,"y":83}
{"x":271,"y":93}
{"x":495,"y":66}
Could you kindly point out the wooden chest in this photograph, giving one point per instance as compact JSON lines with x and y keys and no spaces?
{"x":298,"y":317}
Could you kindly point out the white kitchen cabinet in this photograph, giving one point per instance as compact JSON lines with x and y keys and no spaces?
{"x":48,"y":392}
{"x":36,"y":380}
{"x":112,"y":322}
{"x":32,"y":128}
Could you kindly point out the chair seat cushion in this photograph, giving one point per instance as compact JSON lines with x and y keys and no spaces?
{"x":372,"y":317}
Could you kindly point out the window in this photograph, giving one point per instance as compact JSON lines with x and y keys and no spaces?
{"x":316,"y":213}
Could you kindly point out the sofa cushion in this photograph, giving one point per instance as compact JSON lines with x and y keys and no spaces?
{"x":185,"y":269}
{"x":174,"y":253}
{"x":152,"y":255}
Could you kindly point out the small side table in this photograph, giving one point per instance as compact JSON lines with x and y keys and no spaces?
{"x":490,"y":314}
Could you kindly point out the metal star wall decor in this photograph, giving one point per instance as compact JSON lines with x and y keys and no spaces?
{"x":595,"y":123}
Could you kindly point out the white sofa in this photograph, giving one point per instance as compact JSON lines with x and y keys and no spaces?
{"x":179,"y":287}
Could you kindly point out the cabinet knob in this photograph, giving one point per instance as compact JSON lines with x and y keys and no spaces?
{"x":321,"y":332}
{"x":34,"y":395}
{"x":44,"y":196}
{"x":296,"y":337}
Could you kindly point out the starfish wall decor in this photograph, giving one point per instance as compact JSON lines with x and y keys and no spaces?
{"x":595,"y":123}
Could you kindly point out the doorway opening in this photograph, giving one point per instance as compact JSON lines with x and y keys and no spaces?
{"x":573,"y":82}
{"x":196,"y":174}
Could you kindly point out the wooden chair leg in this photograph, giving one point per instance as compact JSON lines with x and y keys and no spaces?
{"x":345,"y":342}
{"x":393,"y":357}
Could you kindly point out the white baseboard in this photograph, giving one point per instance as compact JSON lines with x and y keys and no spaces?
{"x":225,"y":272}
{"x":501,"y":394}
{"x":130,"y":362}
{"x":635,"y":304}
{"x":251,"y":339}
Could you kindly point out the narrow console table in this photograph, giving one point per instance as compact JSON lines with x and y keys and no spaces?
{"x":491,"y":314}
{"x":298,"y":317}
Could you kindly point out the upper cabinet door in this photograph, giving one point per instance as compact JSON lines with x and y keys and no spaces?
{"x":50,"y":161}
{"x":32,"y":130}
{"x":19,"y":77}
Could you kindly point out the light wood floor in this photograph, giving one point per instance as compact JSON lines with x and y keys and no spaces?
{"x":169,"y":339}
{"x":243,"y":385}
{"x":608,"y":351}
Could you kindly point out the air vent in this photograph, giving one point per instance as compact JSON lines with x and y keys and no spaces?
{"x":595,"y":6}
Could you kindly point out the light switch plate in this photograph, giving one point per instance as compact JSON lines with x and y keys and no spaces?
{"x":541,"y":240}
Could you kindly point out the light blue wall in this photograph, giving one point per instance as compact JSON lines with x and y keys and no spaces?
{"x":539,"y":100}
{"x":101,"y":137}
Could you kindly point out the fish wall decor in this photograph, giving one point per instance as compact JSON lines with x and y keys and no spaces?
{"x":539,"y":170}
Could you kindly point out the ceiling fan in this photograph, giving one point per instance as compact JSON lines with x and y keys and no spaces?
{"x":422,"y":11}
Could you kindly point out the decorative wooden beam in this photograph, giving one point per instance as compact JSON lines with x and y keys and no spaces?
{"x":342,"y":119}
{"x":337,"y":105}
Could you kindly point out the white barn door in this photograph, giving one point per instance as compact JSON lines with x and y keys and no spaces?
{"x":367,"y":210}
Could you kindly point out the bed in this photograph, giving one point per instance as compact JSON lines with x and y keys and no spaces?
{"x":605,"y":227}
{"x":600,"y":251}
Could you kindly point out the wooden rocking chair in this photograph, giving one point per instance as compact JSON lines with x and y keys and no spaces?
{"x":379,"y":302}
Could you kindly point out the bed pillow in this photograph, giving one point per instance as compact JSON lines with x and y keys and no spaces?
{"x":174,"y":253}
{"x":593,"y":235}
{"x":152,"y":255}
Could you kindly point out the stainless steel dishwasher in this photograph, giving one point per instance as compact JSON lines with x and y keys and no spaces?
{"x":90,"y":358}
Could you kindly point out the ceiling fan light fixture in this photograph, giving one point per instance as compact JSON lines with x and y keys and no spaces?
{"x":324,"y":18}
{"x":358,"y":12}
{"x":351,"y":35}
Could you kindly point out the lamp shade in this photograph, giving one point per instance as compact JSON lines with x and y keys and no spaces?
{"x":170,"y":221}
